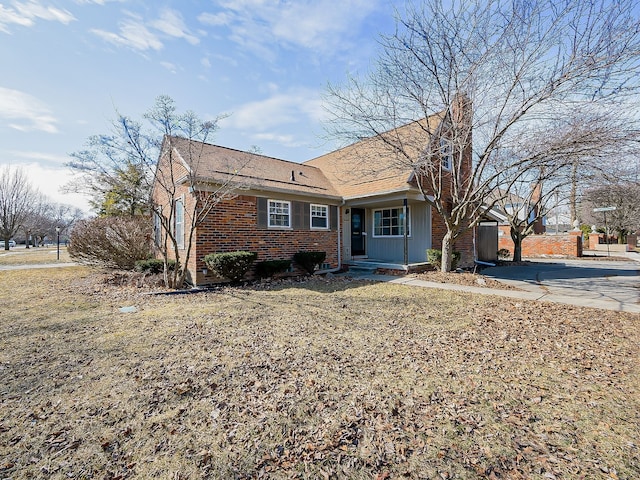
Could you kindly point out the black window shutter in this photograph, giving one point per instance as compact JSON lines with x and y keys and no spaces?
{"x":333,"y":217}
{"x":262,"y":212}
{"x":300,"y":211}
{"x":306,"y":216}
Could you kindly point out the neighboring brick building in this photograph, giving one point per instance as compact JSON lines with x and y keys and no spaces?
{"x":357,"y":202}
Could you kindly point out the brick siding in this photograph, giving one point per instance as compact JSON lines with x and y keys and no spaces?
{"x":233,"y":225}
{"x":535,"y":245}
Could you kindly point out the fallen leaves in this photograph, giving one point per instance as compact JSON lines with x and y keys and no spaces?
{"x":338,"y":379}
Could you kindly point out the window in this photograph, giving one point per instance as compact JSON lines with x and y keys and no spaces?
{"x":319,"y":216}
{"x":179,"y":222}
{"x":445,"y":152}
{"x":389,"y":222}
{"x":279,"y":214}
{"x":157,"y":228}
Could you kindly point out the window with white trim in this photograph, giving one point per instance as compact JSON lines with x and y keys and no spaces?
{"x":445,"y":153}
{"x":319,"y":216}
{"x":389,"y":222}
{"x":279,"y":214}
{"x":179,"y":222}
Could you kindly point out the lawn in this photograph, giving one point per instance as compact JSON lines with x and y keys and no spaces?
{"x":317,"y":379}
{"x":31,"y":256}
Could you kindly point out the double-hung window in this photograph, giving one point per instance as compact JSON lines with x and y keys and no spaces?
{"x":279,"y":214}
{"x":179,"y":222}
{"x":389,"y":222}
{"x":319,"y":216}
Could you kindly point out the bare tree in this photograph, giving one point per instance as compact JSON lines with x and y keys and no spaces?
{"x":520,"y":68}
{"x":177,"y":171}
{"x":17,"y":197}
{"x":133,"y":170}
{"x":113,"y":170}
{"x":624,"y":196}
{"x":47,"y":216}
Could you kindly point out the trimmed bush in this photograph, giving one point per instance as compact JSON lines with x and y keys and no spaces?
{"x":434,"y":258}
{"x":269,"y":268}
{"x":309,"y":260}
{"x":231,"y":265}
{"x":153,"y":265}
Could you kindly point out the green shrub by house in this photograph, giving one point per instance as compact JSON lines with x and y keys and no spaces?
{"x":231,"y":265}
{"x":269,"y":268}
{"x":308,"y":261}
{"x":434,"y":257}
{"x":153,"y":265}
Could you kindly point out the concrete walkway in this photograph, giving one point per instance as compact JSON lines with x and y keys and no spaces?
{"x":37,"y":266}
{"x":609,"y":285}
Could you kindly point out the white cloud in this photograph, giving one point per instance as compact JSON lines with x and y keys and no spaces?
{"x":24,"y":112}
{"x":97,"y":2}
{"x":215,"y":19}
{"x":141,"y":35}
{"x":39,"y":157}
{"x":49,"y":179}
{"x":279,"y":109}
{"x":24,"y":14}
{"x":133,"y":34}
{"x":319,"y":25}
{"x":171,"y":23}
{"x":169,"y":66}
{"x":284,"y":140}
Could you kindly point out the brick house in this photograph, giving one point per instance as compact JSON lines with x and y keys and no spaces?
{"x":348,"y":203}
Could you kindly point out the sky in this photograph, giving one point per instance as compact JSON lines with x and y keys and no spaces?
{"x":69,"y":66}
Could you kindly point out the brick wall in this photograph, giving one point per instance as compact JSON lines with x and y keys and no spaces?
{"x":463,"y":244}
{"x":535,"y":245}
{"x":233,"y":226}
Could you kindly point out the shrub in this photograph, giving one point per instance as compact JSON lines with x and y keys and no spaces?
{"x":231,"y":265}
{"x":504,"y":253}
{"x":112,"y":242}
{"x":434,"y":258}
{"x":309,"y":260}
{"x":153,"y":265}
{"x":269,"y":268}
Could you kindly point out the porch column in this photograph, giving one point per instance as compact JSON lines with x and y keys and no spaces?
{"x":406,"y":229}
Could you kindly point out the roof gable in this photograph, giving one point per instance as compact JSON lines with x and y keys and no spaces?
{"x":374,"y":165}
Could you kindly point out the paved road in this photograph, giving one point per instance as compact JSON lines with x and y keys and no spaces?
{"x":595,"y":283}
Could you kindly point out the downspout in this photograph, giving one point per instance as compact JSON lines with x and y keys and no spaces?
{"x":406,"y":237}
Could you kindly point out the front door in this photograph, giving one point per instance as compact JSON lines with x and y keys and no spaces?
{"x":357,"y":232}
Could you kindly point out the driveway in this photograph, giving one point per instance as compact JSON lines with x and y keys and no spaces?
{"x":588,"y":283}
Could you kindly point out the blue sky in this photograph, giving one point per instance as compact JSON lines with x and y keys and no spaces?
{"x":68,"y":65}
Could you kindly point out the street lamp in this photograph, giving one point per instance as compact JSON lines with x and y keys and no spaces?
{"x":58,"y":240}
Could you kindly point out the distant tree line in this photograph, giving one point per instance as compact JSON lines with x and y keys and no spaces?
{"x":28,"y":214}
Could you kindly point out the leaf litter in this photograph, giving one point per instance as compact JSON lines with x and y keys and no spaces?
{"x":313,"y":379}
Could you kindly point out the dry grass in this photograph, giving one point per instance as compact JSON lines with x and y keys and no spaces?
{"x":464,"y":278}
{"x":337,"y":379}
{"x":31,"y":256}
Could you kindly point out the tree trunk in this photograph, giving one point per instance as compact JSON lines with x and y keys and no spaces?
{"x":517,"y":244}
{"x":573,"y":196}
{"x":447,"y":253}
